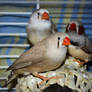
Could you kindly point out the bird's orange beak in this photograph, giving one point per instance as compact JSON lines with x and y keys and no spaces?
{"x":66,"y":41}
{"x":45,"y":16}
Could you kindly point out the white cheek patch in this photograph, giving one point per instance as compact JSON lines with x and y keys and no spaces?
{"x":61,"y":44}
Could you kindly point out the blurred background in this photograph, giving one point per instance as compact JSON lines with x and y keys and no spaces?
{"x":15,"y":14}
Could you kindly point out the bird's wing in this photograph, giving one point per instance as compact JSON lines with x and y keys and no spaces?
{"x":88,"y":46}
{"x":53,"y":27}
{"x":32,"y":56}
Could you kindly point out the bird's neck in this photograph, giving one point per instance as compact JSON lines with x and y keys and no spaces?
{"x":40,"y":25}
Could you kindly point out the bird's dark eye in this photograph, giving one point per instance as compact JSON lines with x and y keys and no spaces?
{"x":58,"y":38}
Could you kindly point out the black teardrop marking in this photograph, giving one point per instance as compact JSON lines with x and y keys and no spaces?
{"x":74,"y":43}
{"x":58,"y":42}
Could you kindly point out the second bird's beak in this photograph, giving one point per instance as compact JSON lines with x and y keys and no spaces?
{"x":66,"y":41}
{"x":45,"y":16}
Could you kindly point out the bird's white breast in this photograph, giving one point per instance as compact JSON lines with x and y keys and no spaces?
{"x":57,"y":54}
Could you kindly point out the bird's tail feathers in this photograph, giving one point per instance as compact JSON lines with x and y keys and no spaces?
{"x":12,"y":78}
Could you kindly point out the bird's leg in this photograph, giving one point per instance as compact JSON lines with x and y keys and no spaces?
{"x":78,"y":61}
{"x":44,"y":79}
{"x":41,"y":77}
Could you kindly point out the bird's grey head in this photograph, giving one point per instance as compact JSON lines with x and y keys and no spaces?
{"x":60,"y":39}
{"x":40,"y":14}
{"x":75,"y":26}
{"x":76,"y":39}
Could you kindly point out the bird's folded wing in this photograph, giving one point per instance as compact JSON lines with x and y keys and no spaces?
{"x":53,"y":27}
{"x":30,"y":57}
{"x":88,"y":46}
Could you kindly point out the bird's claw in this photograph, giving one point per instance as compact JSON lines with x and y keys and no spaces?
{"x":78,"y":61}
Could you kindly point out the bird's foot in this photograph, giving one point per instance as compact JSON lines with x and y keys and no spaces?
{"x":78,"y":61}
{"x":44,"y":79}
